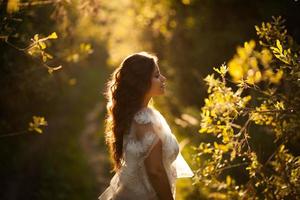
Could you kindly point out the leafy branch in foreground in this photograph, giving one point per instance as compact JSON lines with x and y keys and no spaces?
{"x":37,"y":49}
{"x":34,"y":126}
{"x":264,"y":98}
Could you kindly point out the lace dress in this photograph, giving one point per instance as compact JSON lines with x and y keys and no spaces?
{"x":131,"y":181}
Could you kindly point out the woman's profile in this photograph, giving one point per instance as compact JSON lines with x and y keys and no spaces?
{"x":145,"y":153}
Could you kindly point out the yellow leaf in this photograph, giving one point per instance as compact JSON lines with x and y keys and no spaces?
{"x":235,"y":70}
{"x":202,"y":130}
{"x":281,"y":148}
{"x":266,"y":57}
{"x":36,"y":37}
{"x":38,"y":130}
{"x":279,"y":45}
{"x":279,"y":105}
{"x":44,"y":58}
{"x":216,"y":145}
{"x":37,"y":122}
{"x":48,"y":55}
{"x":232,"y":155}
{"x":53,"y":36}
{"x":42,"y":45}
{"x":276,"y":79}
{"x":228,"y":180}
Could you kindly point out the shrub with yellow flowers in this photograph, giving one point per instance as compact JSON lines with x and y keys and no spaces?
{"x":258,"y":93}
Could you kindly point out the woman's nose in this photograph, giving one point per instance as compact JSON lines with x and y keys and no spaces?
{"x":164,"y":78}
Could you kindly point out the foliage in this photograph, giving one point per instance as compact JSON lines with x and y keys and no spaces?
{"x":267,"y":98}
{"x":187,"y":35}
{"x":37,"y":123}
{"x":27,"y":34}
{"x":35,"y":38}
{"x":127,"y":26}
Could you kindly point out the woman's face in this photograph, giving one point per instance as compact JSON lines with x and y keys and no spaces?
{"x":158,"y":83}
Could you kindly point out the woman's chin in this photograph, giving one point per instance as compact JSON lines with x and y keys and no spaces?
{"x":160,"y":92}
{"x":163,"y":91}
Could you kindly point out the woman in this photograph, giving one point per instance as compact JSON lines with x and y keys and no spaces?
{"x":144,"y":151}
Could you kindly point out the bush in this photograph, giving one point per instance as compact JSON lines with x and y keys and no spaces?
{"x":252,"y":120}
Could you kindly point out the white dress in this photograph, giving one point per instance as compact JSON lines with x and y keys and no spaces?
{"x":131,"y":181}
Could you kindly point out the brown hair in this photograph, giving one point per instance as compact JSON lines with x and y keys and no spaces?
{"x":125,"y":93}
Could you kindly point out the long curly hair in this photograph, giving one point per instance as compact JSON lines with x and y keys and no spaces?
{"x":125,"y":93}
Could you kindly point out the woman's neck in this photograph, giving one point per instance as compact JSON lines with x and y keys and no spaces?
{"x":146,"y":102}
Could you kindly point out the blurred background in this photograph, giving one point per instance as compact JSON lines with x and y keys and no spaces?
{"x":56,"y":56}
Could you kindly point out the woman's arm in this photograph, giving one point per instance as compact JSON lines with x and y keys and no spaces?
{"x":157,"y":174}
